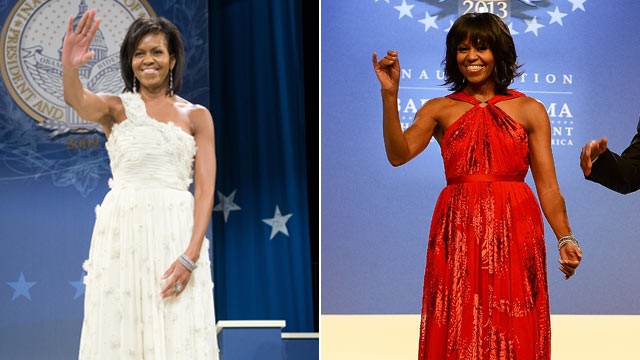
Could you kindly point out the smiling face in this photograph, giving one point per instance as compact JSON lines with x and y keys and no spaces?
{"x":476,"y":62}
{"x":151,"y":61}
{"x":480,"y":51}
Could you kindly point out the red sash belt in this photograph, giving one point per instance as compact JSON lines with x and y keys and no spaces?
{"x":484,"y":178}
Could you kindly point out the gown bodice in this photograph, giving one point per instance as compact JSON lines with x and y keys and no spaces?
{"x":147,"y":153}
{"x":485,"y":140}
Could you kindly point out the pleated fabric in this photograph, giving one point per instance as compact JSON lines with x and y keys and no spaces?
{"x":485,"y":289}
{"x":143,"y":224}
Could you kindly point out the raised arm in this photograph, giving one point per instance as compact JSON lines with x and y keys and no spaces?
{"x":544,"y":176}
{"x":75,"y":54}
{"x":401,"y":146}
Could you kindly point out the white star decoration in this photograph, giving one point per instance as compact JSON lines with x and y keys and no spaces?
{"x":404,"y":9}
{"x":577,"y":4}
{"x":278,"y":223}
{"x":450,"y":26}
{"x":226,"y":204}
{"x":512,"y":30}
{"x":80,"y":287}
{"x":21,"y":287}
{"x":429,"y":21}
{"x":556,"y":16}
{"x":533,"y":26}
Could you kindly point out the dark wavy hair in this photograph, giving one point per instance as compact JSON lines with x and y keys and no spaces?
{"x":142,"y":27}
{"x":483,"y":29}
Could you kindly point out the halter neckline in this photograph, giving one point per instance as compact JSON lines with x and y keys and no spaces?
{"x":463,"y":96}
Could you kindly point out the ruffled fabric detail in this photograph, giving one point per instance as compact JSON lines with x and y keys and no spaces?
{"x":145,"y":152}
{"x":144,"y":223}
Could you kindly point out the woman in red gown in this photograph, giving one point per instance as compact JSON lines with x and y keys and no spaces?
{"x":485,"y":288}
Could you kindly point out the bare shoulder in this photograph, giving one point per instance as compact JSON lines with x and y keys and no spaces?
{"x":445,"y":110}
{"x":198,"y":115}
{"x":530,"y":103}
{"x":436,"y":104}
{"x":194,"y":111}
{"x":533,"y":109}
{"x":528,"y":111}
{"x":433,"y":107}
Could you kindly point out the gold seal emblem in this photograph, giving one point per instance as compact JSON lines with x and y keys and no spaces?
{"x":31,"y":41}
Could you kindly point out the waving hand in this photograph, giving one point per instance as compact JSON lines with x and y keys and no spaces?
{"x":388,"y":71}
{"x":75,"y":48}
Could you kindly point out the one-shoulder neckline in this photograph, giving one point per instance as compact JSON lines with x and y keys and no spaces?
{"x":170,"y":124}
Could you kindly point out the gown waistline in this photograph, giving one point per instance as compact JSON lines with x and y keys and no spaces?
{"x":484,"y":178}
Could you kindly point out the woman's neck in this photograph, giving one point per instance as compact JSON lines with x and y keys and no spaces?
{"x":154,"y":94}
{"x":482,"y":93}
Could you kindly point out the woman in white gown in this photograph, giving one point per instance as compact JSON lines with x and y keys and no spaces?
{"x":149,"y":291}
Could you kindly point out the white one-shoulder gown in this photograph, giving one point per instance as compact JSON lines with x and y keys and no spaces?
{"x":144,"y":223}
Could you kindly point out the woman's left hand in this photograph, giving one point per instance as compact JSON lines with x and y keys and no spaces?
{"x":570,"y":257}
{"x":178,"y":277}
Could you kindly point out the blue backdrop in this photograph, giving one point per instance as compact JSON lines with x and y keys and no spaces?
{"x":264,"y":263}
{"x":580,"y":61}
{"x":54,"y":169}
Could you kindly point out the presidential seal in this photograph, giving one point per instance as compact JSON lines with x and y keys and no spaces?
{"x":32,"y":37}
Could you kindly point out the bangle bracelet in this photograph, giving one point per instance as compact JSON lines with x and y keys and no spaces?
{"x":187,"y":263}
{"x":567,"y":239}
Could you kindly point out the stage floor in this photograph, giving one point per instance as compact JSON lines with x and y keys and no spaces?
{"x":395,"y":337}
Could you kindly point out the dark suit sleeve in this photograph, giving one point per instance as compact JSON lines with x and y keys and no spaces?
{"x":620,"y":173}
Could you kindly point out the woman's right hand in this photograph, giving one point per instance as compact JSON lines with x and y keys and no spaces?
{"x":388,"y":71}
{"x":75,"y":48}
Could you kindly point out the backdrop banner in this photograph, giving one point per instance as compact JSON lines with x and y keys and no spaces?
{"x":577,"y":60}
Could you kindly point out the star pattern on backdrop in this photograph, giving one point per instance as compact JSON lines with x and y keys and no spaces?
{"x":450,"y":25}
{"x":404,"y":9}
{"x":511,"y":30}
{"x":226,"y":204}
{"x":521,"y":25}
{"x":532,"y":25}
{"x":556,"y":16}
{"x":79,"y":286}
{"x":278,"y":223}
{"x":429,"y":21}
{"x":577,"y":4}
{"x":21,"y":287}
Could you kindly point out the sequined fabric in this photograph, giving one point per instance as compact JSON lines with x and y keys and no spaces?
{"x":143,"y":224}
{"x":485,"y":289}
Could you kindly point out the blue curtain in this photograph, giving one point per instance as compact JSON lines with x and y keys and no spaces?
{"x":261,"y":218}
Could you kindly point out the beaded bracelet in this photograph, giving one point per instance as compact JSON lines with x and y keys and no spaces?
{"x":567,"y":239}
{"x":187,"y":263}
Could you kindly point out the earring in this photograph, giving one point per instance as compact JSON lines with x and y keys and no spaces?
{"x":134,"y":84}
{"x":171,"y":83}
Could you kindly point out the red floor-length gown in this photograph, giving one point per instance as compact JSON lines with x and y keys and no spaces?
{"x":485,"y":287}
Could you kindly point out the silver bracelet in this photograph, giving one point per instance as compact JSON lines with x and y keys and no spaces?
{"x":187,"y":263}
{"x":567,"y":239}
